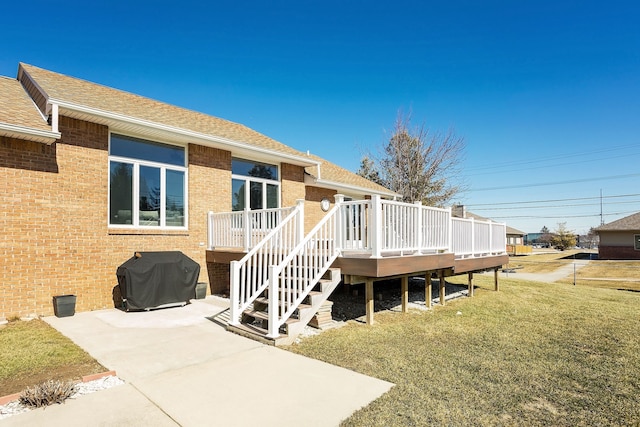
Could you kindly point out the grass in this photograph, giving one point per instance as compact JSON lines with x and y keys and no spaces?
{"x":531,"y":354}
{"x":623,"y":275}
{"x":542,"y":262}
{"x":33,"y":352}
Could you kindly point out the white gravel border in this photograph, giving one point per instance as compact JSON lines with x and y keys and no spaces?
{"x":82,"y":388}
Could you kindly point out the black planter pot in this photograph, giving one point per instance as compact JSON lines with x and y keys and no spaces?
{"x":64,"y":305}
{"x":201,"y":290}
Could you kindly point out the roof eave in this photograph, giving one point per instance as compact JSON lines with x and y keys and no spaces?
{"x":120,"y":122}
{"x":28,"y":133}
{"x":348,"y":188}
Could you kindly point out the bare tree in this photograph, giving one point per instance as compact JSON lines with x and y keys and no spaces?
{"x":369,"y":170}
{"x":417,"y":163}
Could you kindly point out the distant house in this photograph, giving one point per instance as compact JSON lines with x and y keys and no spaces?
{"x":620,"y":239}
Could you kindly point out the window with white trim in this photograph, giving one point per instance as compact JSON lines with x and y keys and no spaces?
{"x":261,"y":180}
{"x":147,"y":184}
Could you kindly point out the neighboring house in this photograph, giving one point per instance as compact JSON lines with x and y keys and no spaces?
{"x":620,"y":239}
{"x":92,"y":174}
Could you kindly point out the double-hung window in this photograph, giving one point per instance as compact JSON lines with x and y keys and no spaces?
{"x":254,"y":185}
{"x":147,"y":184}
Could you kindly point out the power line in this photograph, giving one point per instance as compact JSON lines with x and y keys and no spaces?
{"x":555,"y":165}
{"x":546,"y":159}
{"x":554,"y":200}
{"x":559,"y":206}
{"x":560,"y":216}
{"x":542,"y":184}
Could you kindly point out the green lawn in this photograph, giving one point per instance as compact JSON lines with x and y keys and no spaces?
{"x":531,"y":354}
{"x":33,"y":352}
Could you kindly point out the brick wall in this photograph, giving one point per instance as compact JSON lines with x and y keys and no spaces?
{"x":291,"y":184}
{"x":53,"y":217}
{"x":313,"y":213}
{"x":617,"y":252}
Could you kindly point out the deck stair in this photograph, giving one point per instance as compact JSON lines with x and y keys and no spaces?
{"x":255,"y":319}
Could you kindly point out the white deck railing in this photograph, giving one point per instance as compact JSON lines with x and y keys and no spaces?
{"x":243,"y":229}
{"x":402,"y":228}
{"x":473,"y":238}
{"x":377,"y":227}
{"x":249,"y":277}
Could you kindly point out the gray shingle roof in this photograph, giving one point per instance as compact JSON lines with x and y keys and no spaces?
{"x":628,"y":223}
{"x":16,"y":108}
{"x":62,"y":88}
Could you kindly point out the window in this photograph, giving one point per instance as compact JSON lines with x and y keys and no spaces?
{"x":147,"y":183}
{"x":260,"y":179}
{"x":636,"y":239}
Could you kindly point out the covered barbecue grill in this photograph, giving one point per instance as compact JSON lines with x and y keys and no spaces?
{"x":157,"y":279}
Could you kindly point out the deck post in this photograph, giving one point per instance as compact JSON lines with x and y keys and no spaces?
{"x":442,"y":289}
{"x":300,"y":228}
{"x":339,"y":238}
{"x":495,"y":278}
{"x":246,"y":218}
{"x":369,"y":300}
{"x":234,"y":272}
{"x":427,"y":289}
{"x":470,"y":291}
{"x":418,"y":224}
{"x":473,"y":238}
{"x":273,"y":302}
{"x":376,"y":226}
{"x":404,"y":290}
{"x":210,"y":231}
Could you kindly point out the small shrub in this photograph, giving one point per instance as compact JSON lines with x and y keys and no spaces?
{"x":47,"y":393}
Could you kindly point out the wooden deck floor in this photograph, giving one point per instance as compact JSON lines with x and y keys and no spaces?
{"x":361,"y":264}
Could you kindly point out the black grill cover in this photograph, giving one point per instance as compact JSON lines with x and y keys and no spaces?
{"x":152,"y":279}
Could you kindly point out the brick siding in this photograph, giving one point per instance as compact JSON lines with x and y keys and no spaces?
{"x":617,"y":252}
{"x":53,"y":217}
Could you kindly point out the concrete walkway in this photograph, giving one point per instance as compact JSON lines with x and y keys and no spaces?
{"x":550,"y":277}
{"x":182,"y":368}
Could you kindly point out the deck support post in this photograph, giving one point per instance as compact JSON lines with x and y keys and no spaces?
{"x":495,"y":279}
{"x":404,"y":285}
{"x":427,"y":289}
{"x":376,"y":226}
{"x":470,"y":291}
{"x":442,"y":289}
{"x":369,"y":300}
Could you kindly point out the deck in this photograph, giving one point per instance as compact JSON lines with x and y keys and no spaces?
{"x":274,"y":263}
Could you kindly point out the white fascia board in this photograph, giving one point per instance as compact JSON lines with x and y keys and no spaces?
{"x":38,"y":135}
{"x":347,"y":188}
{"x":302,"y":161}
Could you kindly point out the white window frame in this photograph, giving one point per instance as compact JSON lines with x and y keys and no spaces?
{"x":135,"y":211}
{"x":264,"y":181}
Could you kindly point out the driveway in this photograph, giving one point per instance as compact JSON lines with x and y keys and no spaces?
{"x":182,"y":368}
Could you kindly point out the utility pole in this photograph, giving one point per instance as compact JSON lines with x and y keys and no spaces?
{"x":601,"y":219}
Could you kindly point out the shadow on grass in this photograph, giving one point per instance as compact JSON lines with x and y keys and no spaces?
{"x":349,"y":300}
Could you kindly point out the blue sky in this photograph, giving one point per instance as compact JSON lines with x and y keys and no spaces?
{"x":546,"y":94}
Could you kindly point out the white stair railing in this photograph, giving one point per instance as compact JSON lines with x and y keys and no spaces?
{"x":291,"y":281}
{"x":250,"y":275}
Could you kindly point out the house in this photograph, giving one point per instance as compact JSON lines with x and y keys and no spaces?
{"x":92,"y":174}
{"x":620,"y":239}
